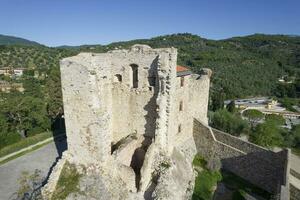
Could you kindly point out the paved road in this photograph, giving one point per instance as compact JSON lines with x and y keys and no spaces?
{"x":41,"y":159}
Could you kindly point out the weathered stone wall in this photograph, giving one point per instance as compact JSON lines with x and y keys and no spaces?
{"x":261,"y":167}
{"x":294,"y":193}
{"x":192,"y":98}
{"x":134,"y":109}
{"x":86,"y":96}
{"x":238,"y":143}
{"x":102,"y":106}
{"x":122,"y":119}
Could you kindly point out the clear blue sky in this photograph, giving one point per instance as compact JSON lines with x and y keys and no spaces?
{"x":75,"y":22}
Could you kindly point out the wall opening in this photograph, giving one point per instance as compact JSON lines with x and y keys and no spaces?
{"x":180,"y":106}
{"x":135,"y":78}
{"x":182,"y":81}
{"x":118,"y":78}
{"x":179,"y":128}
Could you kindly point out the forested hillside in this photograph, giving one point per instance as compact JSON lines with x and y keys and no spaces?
{"x":11,"y":40}
{"x":242,"y":66}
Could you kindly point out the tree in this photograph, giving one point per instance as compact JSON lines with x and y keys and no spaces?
{"x":32,"y":87}
{"x":253,"y":116}
{"x":25,"y":113}
{"x":267,"y":134}
{"x":277,"y":119}
{"x":231,"y":106}
{"x":218,"y":101}
{"x":228,"y":122}
{"x":54,"y":93}
{"x":296,"y":136}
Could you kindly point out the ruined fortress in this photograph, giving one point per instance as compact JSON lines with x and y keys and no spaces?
{"x":135,"y":120}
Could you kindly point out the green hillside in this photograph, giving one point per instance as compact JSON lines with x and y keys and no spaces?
{"x":242,"y":66}
{"x":11,"y":40}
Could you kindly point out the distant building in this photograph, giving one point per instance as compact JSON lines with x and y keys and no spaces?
{"x":264,"y":104}
{"x":18,"y":71}
{"x":5,"y":71}
{"x":9,"y":71}
{"x":7,"y":87}
{"x":271,"y":103}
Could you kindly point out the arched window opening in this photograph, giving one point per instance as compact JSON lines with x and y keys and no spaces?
{"x":118,"y":78}
{"x":135,"y":80}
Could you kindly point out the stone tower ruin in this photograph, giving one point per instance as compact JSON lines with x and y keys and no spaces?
{"x":129,"y":120}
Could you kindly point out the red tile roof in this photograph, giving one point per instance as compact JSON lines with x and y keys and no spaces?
{"x":181,"y":68}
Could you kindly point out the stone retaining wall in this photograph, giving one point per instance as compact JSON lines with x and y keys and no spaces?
{"x":295,"y":193}
{"x":295,"y":174}
{"x":261,"y":167}
{"x":233,"y":141}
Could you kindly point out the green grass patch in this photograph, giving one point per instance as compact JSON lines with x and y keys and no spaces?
{"x":24,"y":143}
{"x":199,"y":161}
{"x":23,"y":153}
{"x":68,"y":182}
{"x":205,"y":181}
{"x":204,"y":184}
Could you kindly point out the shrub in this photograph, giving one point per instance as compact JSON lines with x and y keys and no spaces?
{"x":8,"y":138}
{"x":204,"y":184}
{"x":267,"y":134}
{"x":253,"y":116}
{"x":199,"y":161}
{"x":277,"y":119}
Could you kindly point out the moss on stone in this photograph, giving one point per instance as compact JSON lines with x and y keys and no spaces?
{"x":199,"y":161}
{"x":68,"y":182}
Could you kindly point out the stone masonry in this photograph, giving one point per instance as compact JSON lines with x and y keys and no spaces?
{"x":129,"y":120}
{"x":135,"y":120}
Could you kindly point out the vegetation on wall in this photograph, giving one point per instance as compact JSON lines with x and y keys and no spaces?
{"x":206,"y":180}
{"x":67,"y":183}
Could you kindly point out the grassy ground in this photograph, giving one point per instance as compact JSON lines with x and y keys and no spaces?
{"x":24,"y":143}
{"x":67,"y":183}
{"x":23,"y":153}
